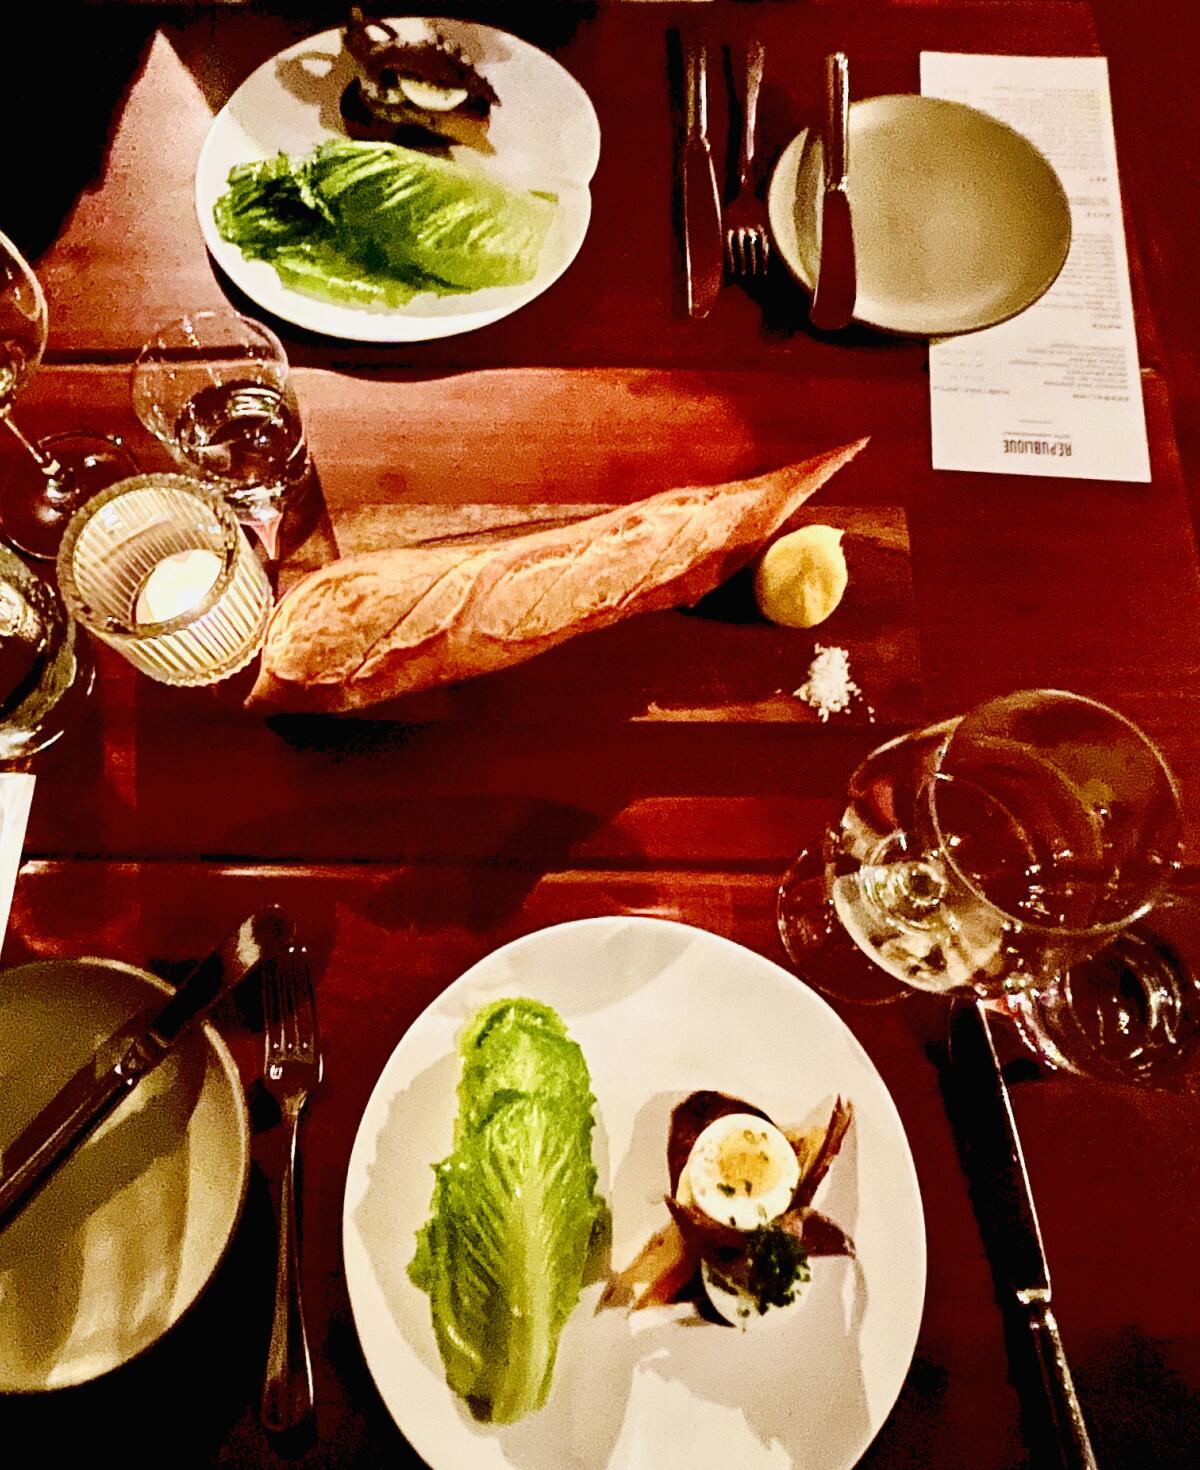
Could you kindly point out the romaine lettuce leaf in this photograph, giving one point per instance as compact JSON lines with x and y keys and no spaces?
{"x":514,"y":1212}
{"x":266,"y":209}
{"x":519,"y":1047}
{"x":321,"y":268}
{"x":431,"y":213}
{"x":374,"y":224}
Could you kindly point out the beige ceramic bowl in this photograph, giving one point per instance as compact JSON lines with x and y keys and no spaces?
{"x":959,"y":221}
{"x":123,"y":1239}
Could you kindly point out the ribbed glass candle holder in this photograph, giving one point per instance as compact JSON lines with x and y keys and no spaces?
{"x":163,"y":573}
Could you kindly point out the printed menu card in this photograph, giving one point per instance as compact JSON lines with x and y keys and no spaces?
{"x":1056,"y":390}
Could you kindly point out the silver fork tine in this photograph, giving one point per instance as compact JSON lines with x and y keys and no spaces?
{"x":291,"y":1024}
{"x":271,"y":1010}
{"x":303,"y":1011}
{"x":760,"y":251}
{"x":280,"y":1005}
{"x":268,"y":1015}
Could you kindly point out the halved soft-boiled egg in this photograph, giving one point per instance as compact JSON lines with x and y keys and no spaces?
{"x":741,"y":1172}
{"x":431,"y":98}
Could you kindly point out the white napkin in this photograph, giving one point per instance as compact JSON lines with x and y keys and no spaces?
{"x":16,"y":795}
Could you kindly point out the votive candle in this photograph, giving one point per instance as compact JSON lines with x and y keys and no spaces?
{"x":161,"y":571}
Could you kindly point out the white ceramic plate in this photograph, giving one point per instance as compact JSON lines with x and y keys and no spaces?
{"x":544,"y":131}
{"x":959,"y":221}
{"x":660,"y":1009}
{"x":120,"y":1242}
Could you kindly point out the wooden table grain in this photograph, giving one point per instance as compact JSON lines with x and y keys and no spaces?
{"x":411,"y":845}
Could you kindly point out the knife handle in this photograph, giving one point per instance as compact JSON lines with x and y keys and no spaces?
{"x":57,"y":1131}
{"x":756,"y":54}
{"x":1074,"y":1445}
{"x":837,"y":119}
{"x":266,"y":932}
{"x":695,"y":82}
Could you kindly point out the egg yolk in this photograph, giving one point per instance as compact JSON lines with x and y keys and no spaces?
{"x":741,"y":1171}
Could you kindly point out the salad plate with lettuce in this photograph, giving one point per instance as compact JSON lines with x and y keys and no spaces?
{"x":374,"y":241}
{"x":510,"y":1178}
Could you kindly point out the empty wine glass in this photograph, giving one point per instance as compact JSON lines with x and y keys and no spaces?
{"x":994,"y":855}
{"x":214,"y":388}
{"x":57,"y":474}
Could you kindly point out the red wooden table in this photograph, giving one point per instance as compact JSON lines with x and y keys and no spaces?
{"x":410,"y":847}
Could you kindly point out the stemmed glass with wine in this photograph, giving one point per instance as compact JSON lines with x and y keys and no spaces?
{"x":1023,"y":853}
{"x":215,"y":389}
{"x":45,"y":668}
{"x":57,"y":474}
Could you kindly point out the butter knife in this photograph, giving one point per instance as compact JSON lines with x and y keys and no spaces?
{"x":836,"y":284}
{"x":79,"y":1107}
{"x":702,"y":244}
{"x":1009,"y":1222}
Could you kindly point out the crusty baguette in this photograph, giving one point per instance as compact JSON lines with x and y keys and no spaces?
{"x":369,"y":627}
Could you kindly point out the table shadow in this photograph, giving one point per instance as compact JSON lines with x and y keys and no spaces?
{"x":63,"y":85}
{"x":179,"y":1401}
{"x":43,"y":1269}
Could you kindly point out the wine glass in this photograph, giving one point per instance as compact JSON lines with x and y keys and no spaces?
{"x":1131,"y":1012}
{"x":1008,"y":854}
{"x":56,"y":474}
{"x":215,"y":389}
{"x":45,"y":668}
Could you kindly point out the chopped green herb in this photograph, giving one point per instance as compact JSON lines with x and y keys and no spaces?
{"x":777,"y":1265}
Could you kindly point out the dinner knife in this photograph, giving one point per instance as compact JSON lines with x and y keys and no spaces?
{"x":1010,"y":1223}
{"x":702,"y":249}
{"x":836,"y":285}
{"x":79,"y":1107}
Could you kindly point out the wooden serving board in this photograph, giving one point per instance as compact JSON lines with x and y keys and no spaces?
{"x":718,"y":662}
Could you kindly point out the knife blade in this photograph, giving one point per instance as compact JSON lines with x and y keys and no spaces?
{"x":79,"y":1107}
{"x":837,"y":284}
{"x":1008,"y":1220}
{"x":702,"y":249}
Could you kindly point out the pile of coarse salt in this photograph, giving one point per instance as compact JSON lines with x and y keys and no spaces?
{"x":829,"y":689}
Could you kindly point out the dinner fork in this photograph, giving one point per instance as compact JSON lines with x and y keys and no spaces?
{"x":747,"y":244}
{"x":291,"y":1071}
